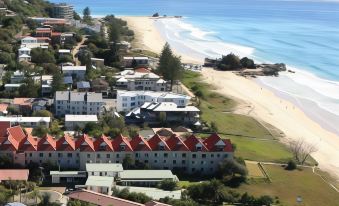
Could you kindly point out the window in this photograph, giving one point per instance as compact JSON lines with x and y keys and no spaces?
{"x":203,"y":155}
{"x":165,"y":155}
{"x":30,"y":154}
{"x":183,"y":161}
{"x":108,"y":156}
{"x":198,"y":148}
{"x":98,"y":156}
{"x":41,"y":154}
{"x":225,"y":155}
{"x":155,"y":154}
{"x":194,"y":156}
{"x":59,"y":154}
{"x":212,"y":155}
{"x":88,"y":155}
{"x":174,"y":162}
{"x":136,"y":154}
{"x":146,"y":161}
{"x":69,"y":155}
{"x":193,"y":162}
{"x":122,"y":147}
{"x":161,"y":147}
{"x":183,"y":155}
{"x":146,"y":154}
{"x":117,"y":155}
{"x":218,"y":155}
{"x":49,"y":154}
{"x":164,"y":161}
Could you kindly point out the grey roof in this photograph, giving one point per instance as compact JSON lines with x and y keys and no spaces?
{"x":61,"y":95}
{"x":68,"y":80}
{"x":100,"y":181}
{"x":103,"y":167}
{"x":146,"y":175}
{"x":83,"y":85}
{"x":94,"y":97}
{"x":77,"y":96}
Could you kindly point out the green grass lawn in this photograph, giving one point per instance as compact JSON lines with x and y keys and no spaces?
{"x":244,"y":131}
{"x":287,"y":185}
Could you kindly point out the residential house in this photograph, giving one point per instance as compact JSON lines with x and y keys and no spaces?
{"x":17,"y":77}
{"x":154,"y":112}
{"x":101,"y":86}
{"x":83,"y":86}
{"x":98,"y":63}
{"x":78,"y":121}
{"x":129,"y":62}
{"x":128,"y":100}
{"x":27,"y":121}
{"x":12,"y":87}
{"x":76,"y":72}
{"x":63,"y":52}
{"x":141,"y":79}
{"x":46,"y":85}
{"x":67,"y":102}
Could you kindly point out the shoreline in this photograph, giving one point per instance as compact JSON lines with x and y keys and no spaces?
{"x":266,"y":105}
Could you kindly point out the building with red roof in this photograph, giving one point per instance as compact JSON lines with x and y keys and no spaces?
{"x":191,"y":154}
{"x":14,"y":174}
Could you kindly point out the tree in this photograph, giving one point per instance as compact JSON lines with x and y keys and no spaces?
{"x":170,"y":66}
{"x":55,"y":128}
{"x":58,"y":82}
{"x":40,"y":131}
{"x":230,"y":167}
{"x":301,"y":150}
{"x":291,"y":165}
{"x":229,"y":62}
{"x":42,"y":113}
{"x":247,"y":63}
{"x":114,"y":32}
{"x":87,"y":16}
{"x":29,"y":88}
{"x":35,"y":194}
{"x":214,"y":126}
{"x":40,"y":56}
{"x":133,"y":131}
{"x":167,"y":184}
{"x":5,"y":195}
{"x":127,"y":162}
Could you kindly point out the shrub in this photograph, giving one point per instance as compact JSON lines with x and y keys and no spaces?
{"x":291,"y":165}
{"x":168,"y":185}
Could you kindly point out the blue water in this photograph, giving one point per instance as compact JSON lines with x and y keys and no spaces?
{"x":304,"y":34}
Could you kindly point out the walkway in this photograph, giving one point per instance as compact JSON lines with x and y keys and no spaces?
{"x":76,"y":50}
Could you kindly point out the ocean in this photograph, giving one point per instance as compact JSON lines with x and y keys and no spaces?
{"x":302,"y":34}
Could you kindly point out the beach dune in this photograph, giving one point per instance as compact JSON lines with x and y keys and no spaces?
{"x":265,"y":105}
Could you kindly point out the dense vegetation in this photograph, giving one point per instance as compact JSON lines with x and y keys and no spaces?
{"x":233,"y":62}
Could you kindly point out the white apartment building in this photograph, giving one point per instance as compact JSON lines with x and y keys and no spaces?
{"x":77,"y":103}
{"x":27,"y":121}
{"x":128,"y":100}
{"x":77,"y":72}
{"x":103,"y":169}
{"x":73,"y":121}
{"x":134,"y":81}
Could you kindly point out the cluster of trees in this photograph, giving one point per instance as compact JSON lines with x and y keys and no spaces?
{"x":132,"y":196}
{"x":170,"y":66}
{"x":118,"y":29}
{"x":168,"y":185}
{"x":233,"y":62}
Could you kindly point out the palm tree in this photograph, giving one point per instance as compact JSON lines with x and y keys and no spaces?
{"x":35,"y":194}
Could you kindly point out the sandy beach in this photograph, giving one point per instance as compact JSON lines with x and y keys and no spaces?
{"x":254,"y":100}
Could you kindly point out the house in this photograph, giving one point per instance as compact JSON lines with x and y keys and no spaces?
{"x":100,"y":184}
{"x":66,"y":38}
{"x":40,"y":104}
{"x":150,"y":112}
{"x":83,"y":86}
{"x":76,"y":72}
{"x":62,"y":177}
{"x":63,"y":52}
{"x":24,"y":58}
{"x":3,"y":109}
{"x":100,"y":85}
{"x":141,"y":79}
{"x":78,"y":121}
{"x":23,"y":53}
{"x":186,"y":154}
{"x":34,"y":42}
{"x":129,"y":100}
{"x":145,"y":178}
{"x":27,"y":121}
{"x":129,"y":62}
{"x":28,"y":105}
{"x":88,"y":103}
{"x":46,"y":85}
{"x":98,"y":63}
{"x":29,"y":40}
{"x":13,"y":174}
{"x":12,"y":87}
{"x":100,"y":199}
{"x":17,"y":77}
{"x":68,"y":80}
{"x":103,"y":169}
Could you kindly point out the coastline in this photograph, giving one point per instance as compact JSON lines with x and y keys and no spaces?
{"x":254,"y":99}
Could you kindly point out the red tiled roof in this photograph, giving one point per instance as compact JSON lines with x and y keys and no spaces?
{"x":121,"y":140}
{"x":105,"y":141}
{"x":85,"y":143}
{"x":29,"y":144}
{"x":142,"y":70}
{"x":175,"y":143}
{"x":3,"y":107}
{"x":3,"y":128}
{"x":101,"y":199}
{"x":65,"y":143}
{"x":56,"y":33}
{"x":155,"y":203}
{"x":47,"y":143}
{"x":138,"y":143}
{"x":16,"y":133}
{"x":192,"y":141}
{"x":155,"y":142}
{"x":213,"y":139}
{"x":13,"y":174}
{"x":22,"y":101}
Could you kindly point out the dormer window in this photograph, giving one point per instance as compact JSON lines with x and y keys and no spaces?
{"x":161,"y":147}
{"x":102,"y":146}
{"x":199,"y":148}
{"x":122,"y":147}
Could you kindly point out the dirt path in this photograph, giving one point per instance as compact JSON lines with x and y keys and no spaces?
{"x":76,"y":50}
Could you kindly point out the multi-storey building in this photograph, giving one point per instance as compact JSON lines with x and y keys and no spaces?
{"x":128,"y":100}
{"x":63,"y":11}
{"x":136,"y":81}
{"x":67,"y":102}
{"x":77,"y":72}
{"x":190,"y":155}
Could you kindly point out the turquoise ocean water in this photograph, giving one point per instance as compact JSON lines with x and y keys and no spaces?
{"x":303,"y":34}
